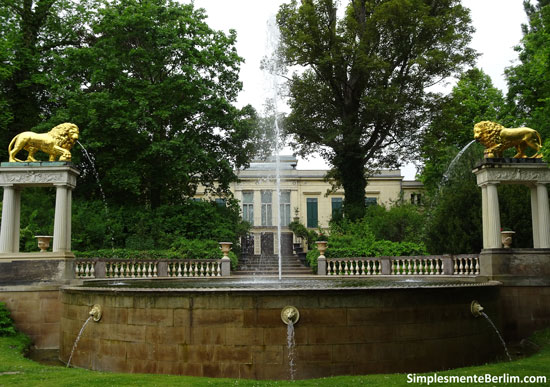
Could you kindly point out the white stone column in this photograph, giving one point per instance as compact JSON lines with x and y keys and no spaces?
{"x":60,"y":221}
{"x":535,"y":216}
{"x":69,"y":219}
{"x":17,"y":220}
{"x":484,"y":220}
{"x":493,"y":217}
{"x":8,"y":220}
{"x":544,"y":215}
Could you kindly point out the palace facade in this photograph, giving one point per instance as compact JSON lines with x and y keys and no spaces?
{"x":306,"y":196}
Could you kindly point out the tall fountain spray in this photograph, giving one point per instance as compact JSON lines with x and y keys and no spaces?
{"x":272,"y":67}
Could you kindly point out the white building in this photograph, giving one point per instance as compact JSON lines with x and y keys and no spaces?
{"x":304,"y":195}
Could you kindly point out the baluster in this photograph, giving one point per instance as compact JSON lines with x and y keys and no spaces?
{"x":455,"y":267}
{"x":155,"y":269}
{"x":437,"y":267}
{"x":331,"y":267}
{"x":196,"y":273}
{"x":431,"y":268}
{"x":461,"y":267}
{"x":409,"y":267}
{"x":415,"y":267}
{"x":87,"y":270}
{"x":218,"y":269}
{"x":363,"y":271}
{"x":477,"y":265}
{"x":132,"y":270}
{"x":392,"y":267}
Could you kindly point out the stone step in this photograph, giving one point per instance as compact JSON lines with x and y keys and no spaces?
{"x":271,"y":272}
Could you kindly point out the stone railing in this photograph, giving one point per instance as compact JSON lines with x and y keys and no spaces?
{"x":89,"y":268}
{"x":414,"y":265}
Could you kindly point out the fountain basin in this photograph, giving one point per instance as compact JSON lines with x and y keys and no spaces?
{"x":231,"y":328}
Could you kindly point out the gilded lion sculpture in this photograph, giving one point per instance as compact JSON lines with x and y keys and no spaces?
{"x":496,"y":139}
{"x":58,"y":142}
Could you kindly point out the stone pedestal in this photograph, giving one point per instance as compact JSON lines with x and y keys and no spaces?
{"x":530,"y":172}
{"x":16,"y":176}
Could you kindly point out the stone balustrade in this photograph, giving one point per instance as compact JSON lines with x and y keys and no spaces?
{"x":433,"y":265}
{"x":90,"y":268}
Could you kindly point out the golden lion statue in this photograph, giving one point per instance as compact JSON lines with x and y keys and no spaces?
{"x":496,"y":138}
{"x":56,"y":143}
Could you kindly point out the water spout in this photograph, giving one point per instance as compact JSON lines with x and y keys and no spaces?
{"x":95,"y":314}
{"x":453,"y":162}
{"x":290,"y":316}
{"x":477,"y":310}
{"x":103,"y":197}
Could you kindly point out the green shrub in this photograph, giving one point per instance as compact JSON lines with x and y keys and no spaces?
{"x":128,"y":254}
{"x":201,"y":249}
{"x":6,"y":323}
{"x":355,"y":239}
{"x":183,"y":249}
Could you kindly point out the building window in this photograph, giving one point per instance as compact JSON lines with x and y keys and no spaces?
{"x":248,"y":207}
{"x":337,"y":209}
{"x":284,"y":208}
{"x":370,"y":202}
{"x":312,"y":215}
{"x":416,"y":198}
{"x":266,"y":208}
{"x":220,"y":202}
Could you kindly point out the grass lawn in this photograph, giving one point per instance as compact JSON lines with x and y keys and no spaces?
{"x":16,"y":370}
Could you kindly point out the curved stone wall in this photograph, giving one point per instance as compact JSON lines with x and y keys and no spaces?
{"x":239,"y":333}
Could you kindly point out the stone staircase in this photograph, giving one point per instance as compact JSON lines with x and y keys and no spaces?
{"x":269,"y":265}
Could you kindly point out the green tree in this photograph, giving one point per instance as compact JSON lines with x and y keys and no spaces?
{"x":529,"y":80}
{"x":32,"y":33}
{"x":152,"y":93}
{"x":361,"y":98}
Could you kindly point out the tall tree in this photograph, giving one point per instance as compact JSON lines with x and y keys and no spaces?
{"x":529,"y":81}
{"x":361,"y":98}
{"x":152,"y":94}
{"x":32,"y":33}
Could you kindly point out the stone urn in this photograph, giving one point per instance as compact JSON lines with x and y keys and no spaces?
{"x":226,"y":248}
{"x":44,"y":242}
{"x":506,"y":238}
{"x":322,"y":247}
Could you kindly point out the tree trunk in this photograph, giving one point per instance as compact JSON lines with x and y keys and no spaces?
{"x":352,"y":174}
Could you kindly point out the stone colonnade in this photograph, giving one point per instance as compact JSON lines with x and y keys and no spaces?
{"x":536,"y":176}
{"x":14,"y":177}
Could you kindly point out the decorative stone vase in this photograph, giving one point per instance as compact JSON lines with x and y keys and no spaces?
{"x":506,"y":238}
{"x":44,"y":242}
{"x":322,"y":247}
{"x":226,"y":248}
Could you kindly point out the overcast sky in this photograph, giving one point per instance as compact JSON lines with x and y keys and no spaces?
{"x":497,"y":24}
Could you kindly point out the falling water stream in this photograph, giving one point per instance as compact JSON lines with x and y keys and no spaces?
{"x":78,"y":339}
{"x":103,"y":197}
{"x":291,"y":344}
{"x":498,"y":334}
{"x":455,"y":160}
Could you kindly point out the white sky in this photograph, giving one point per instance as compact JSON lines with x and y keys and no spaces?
{"x":497,"y":23}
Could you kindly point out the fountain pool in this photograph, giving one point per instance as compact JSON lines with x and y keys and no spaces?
{"x":230,"y":328}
